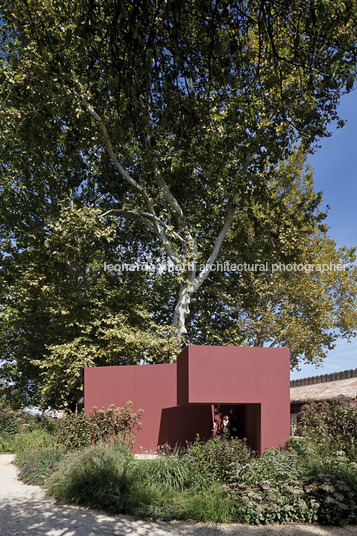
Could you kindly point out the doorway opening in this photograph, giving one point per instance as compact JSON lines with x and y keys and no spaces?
{"x":237,"y":421}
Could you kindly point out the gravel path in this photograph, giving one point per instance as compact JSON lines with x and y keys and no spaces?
{"x":26,"y":511}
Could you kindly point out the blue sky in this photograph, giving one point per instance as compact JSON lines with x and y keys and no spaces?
{"x":335,"y":165}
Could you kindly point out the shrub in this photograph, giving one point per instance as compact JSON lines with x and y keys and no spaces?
{"x":212,"y":460}
{"x":269,"y":489}
{"x":333,"y":486}
{"x":78,"y":430}
{"x":47,"y":423}
{"x":73,"y":431}
{"x":330,"y":426}
{"x":33,"y":441}
{"x":96,"y":477}
{"x":35,"y":466}
{"x":104,"y":425}
{"x":9,"y":427}
{"x":14,"y":424}
{"x":273,"y":465}
{"x":9,"y":422}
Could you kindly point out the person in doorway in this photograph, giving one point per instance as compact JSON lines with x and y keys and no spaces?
{"x":226,"y":427}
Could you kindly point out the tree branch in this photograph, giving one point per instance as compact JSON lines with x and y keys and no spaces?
{"x":170,"y":198}
{"x":217,"y":246}
{"x":172,"y":201}
{"x":147,"y":199}
{"x":113,"y":156}
{"x":144,"y":215}
{"x":226,"y":225}
{"x":281,"y":334}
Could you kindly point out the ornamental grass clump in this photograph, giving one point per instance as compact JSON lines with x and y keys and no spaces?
{"x":95,"y":477}
{"x":212,"y":504}
{"x":106,"y":476}
{"x":170,"y":471}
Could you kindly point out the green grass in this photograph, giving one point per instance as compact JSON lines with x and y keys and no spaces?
{"x":210,"y":505}
{"x":28,"y":441}
{"x":7,"y":443}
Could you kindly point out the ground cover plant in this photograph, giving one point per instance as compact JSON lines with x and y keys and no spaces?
{"x":41,"y":442}
{"x":204,"y":484}
{"x":86,"y":460}
{"x":36,"y":465}
{"x":270,"y":489}
{"x":333,"y":486}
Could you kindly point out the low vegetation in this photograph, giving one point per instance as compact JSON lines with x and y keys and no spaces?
{"x":82,"y":430}
{"x":330,"y":426}
{"x":87,"y":461}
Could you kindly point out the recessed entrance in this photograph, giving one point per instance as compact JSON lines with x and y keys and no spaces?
{"x":237,"y":420}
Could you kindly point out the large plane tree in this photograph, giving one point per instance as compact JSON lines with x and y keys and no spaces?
{"x":168,"y":116}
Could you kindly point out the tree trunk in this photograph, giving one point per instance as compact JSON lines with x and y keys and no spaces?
{"x":182,"y":310}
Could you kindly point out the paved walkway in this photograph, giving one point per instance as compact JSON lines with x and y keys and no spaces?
{"x":26,"y":511}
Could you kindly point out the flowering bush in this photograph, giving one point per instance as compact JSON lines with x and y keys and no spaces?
{"x":334,"y":488}
{"x":213,"y":459}
{"x":104,"y":425}
{"x":73,"y":431}
{"x":330,"y":427}
{"x":81,"y":429}
{"x":269,"y":489}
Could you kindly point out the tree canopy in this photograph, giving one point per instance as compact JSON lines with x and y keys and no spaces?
{"x":161,"y":130}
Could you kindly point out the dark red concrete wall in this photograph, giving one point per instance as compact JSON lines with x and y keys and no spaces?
{"x":253,"y":426}
{"x":231,"y":375}
{"x":177,"y":401}
{"x":182,"y":423}
{"x":150,"y":387}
